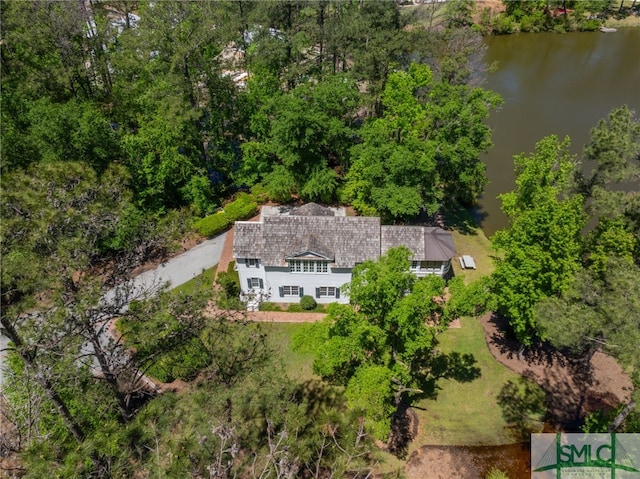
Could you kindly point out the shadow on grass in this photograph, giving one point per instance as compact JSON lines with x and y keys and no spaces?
{"x":404,"y":422}
{"x":319,"y":396}
{"x":404,"y":429}
{"x":523,"y":406}
{"x":452,"y":216}
{"x":539,"y":353}
{"x":456,"y":366}
{"x":568,"y":381}
{"x":466,"y":221}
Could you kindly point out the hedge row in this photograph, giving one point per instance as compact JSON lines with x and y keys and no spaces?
{"x":244,"y":206}
{"x":212,"y":225}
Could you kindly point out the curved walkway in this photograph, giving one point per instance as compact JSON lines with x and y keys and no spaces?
{"x":268,"y":316}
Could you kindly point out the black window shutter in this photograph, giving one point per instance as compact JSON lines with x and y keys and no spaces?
{"x":261,"y":284}
{"x":249,"y":282}
{"x":281,"y":291}
{"x":246,"y":262}
{"x":301,"y":291}
{"x":338,"y":293}
{"x":317,"y":292}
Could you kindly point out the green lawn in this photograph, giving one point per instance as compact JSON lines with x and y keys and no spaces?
{"x":477,"y":245}
{"x":466,"y":413}
{"x":462,"y":414}
{"x":296,"y":365}
{"x":206,"y":278}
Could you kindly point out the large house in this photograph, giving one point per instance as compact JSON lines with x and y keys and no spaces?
{"x":311,"y":250}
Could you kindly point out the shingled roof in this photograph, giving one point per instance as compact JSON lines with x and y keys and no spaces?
{"x":425,"y":243}
{"x":247,"y":239}
{"x":308,"y":245}
{"x":311,"y":209}
{"x":344,"y":240}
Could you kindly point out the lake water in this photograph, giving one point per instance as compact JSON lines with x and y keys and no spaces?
{"x":553,"y":83}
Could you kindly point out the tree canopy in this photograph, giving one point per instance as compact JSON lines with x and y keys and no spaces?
{"x":424,"y":148}
{"x":155,"y":90}
{"x":541,"y":249}
{"x":568,"y":260}
{"x":547,"y":255}
{"x":381,"y":345}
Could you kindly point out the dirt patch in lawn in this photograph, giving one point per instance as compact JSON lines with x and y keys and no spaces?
{"x":572,"y":390}
{"x":468,"y":462}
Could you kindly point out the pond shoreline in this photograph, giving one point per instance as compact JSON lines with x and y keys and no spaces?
{"x":469,"y":462}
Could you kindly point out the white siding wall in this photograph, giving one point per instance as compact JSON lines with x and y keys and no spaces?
{"x":278,"y":277}
{"x":274,"y":278}
{"x":245,"y":272}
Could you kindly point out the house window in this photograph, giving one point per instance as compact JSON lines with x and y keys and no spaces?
{"x":429,"y":266}
{"x":290,"y":291}
{"x":432,"y":265}
{"x":254,"y":283}
{"x":327,"y":292}
{"x":252,"y":262}
{"x":308,"y":266}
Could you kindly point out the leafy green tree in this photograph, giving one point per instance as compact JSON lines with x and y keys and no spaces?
{"x":596,"y":312}
{"x":377,"y":40}
{"x":380,"y":347}
{"x":282,"y":41}
{"x":295,"y":41}
{"x":394,"y":171}
{"x":163,"y":161}
{"x":459,"y":13}
{"x":425,"y":145}
{"x":179,"y":115}
{"x":63,"y":281}
{"x":301,"y":139}
{"x":393,"y":179}
{"x":45,"y":50}
{"x":614,"y":145}
{"x":250,"y":430}
{"x":612,"y":186}
{"x":610,"y":238}
{"x":54,"y":217}
{"x":461,"y":138}
{"x":541,"y":249}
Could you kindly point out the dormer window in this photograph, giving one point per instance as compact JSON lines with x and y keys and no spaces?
{"x":252,"y":262}
{"x":308,"y":266}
